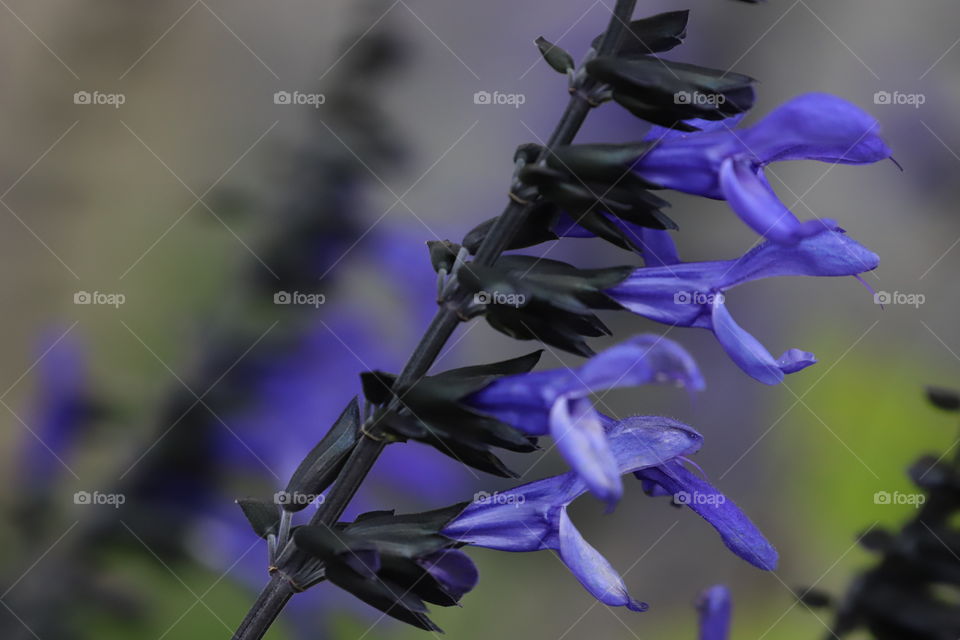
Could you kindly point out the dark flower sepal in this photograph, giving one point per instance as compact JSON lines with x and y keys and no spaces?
{"x":599,"y":180}
{"x":433,"y":412}
{"x":263,"y":516}
{"x":394,"y":563}
{"x":655,"y":34}
{"x":557,"y":57}
{"x":321,"y":466}
{"x":668,"y":93}
{"x":443,"y":254}
{"x":530,"y":298}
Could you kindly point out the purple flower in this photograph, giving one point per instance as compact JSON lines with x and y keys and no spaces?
{"x":450,"y":572}
{"x":534,"y":517}
{"x":715,"y":608}
{"x":63,"y":409}
{"x":692,"y":294}
{"x":738,"y":533}
{"x":727,"y":164}
{"x":557,"y":402}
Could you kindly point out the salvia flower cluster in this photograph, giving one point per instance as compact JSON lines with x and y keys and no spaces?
{"x":399,"y":563}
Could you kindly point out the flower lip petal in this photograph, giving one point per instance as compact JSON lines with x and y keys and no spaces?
{"x":754,"y":201}
{"x":794,"y":360}
{"x":578,"y":432}
{"x":736,"y":530}
{"x":592,"y":569}
{"x":745,"y":350}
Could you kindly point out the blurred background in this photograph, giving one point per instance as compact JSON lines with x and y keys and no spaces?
{"x":168,"y":169}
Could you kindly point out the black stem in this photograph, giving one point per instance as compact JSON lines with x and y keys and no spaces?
{"x":279,"y":590}
{"x":265,"y":609}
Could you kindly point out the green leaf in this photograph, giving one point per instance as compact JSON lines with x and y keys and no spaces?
{"x":555,"y":56}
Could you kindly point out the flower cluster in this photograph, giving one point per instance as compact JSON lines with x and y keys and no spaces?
{"x":653,"y":449}
{"x":470,"y":414}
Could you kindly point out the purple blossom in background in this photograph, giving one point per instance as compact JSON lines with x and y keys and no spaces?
{"x":715,"y":608}
{"x":693,"y":294}
{"x":557,"y":402}
{"x":728,"y":164}
{"x":297,"y":394}
{"x":62,"y":408}
{"x":534,"y":517}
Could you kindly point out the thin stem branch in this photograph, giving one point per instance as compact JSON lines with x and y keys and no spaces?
{"x":265,"y":609}
{"x":279,"y":590}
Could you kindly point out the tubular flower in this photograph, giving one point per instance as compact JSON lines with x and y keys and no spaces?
{"x":728,"y":164}
{"x":557,"y":402}
{"x":715,"y":608}
{"x":534,"y":517}
{"x":693,"y":294}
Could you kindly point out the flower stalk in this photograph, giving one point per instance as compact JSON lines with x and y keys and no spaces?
{"x":274,"y":597}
